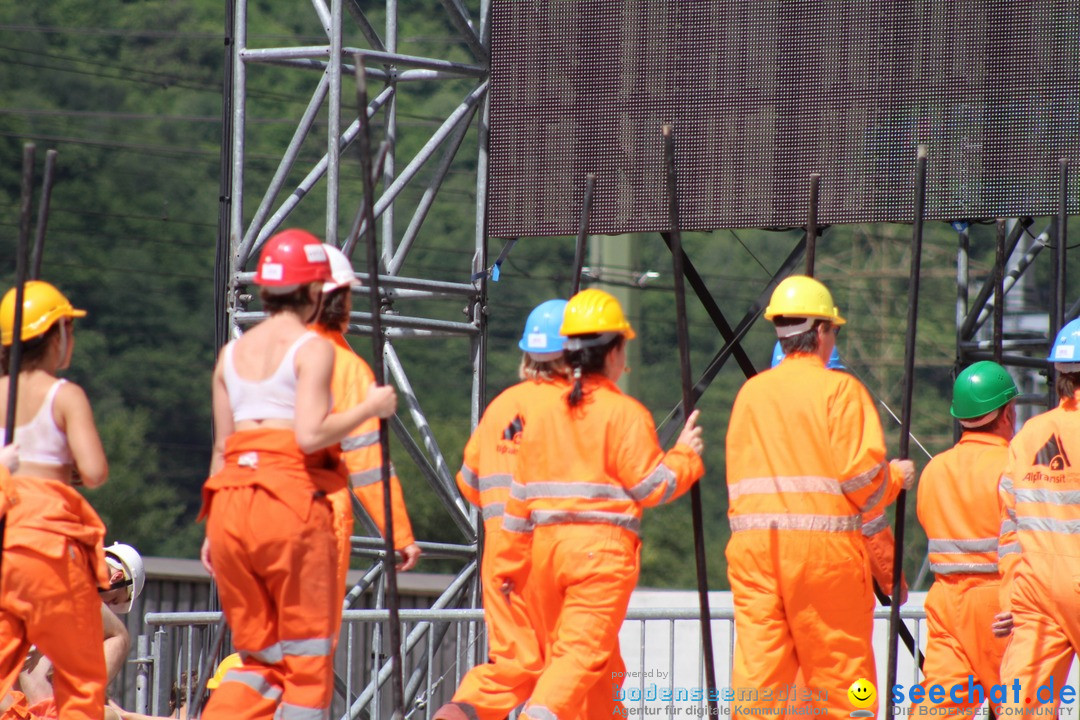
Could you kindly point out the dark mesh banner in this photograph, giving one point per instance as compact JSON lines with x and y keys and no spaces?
{"x":761,"y":93}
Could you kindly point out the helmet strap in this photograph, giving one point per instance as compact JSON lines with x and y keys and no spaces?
{"x":981,"y":420}
{"x":1067,"y":367}
{"x":787,"y":331}
{"x":63,"y":340}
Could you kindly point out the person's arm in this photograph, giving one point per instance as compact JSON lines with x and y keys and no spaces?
{"x":75,"y":418}
{"x":223,"y":417}
{"x":651,"y":476}
{"x":315,"y":426}
{"x":117,"y":643}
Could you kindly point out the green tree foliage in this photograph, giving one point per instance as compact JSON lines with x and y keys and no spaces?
{"x":129,"y":91}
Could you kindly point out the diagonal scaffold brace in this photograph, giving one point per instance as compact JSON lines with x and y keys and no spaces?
{"x":683,"y":331}
{"x":905,"y":416}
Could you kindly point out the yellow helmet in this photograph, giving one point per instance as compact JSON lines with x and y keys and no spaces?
{"x":595,"y":311}
{"x":227,"y":664}
{"x":799,"y":296}
{"x":43,"y":305}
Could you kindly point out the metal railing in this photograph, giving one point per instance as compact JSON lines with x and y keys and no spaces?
{"x":660,"y":646}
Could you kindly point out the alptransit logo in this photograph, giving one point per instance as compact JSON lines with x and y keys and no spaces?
{"x":1052,"y":455}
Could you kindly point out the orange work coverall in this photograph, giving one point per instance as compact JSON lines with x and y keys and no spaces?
{"x":53,"y":564}
{"x":958,"y":507}
{"x":805,"y":463}
{"x":274,"y":554}
{"x":571,"y":532}
{"x":516,"y":657}
{"x":362,"y":456}
{"x":1039,"y":554}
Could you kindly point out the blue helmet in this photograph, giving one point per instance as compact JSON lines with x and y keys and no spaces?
{"x":1066,"y":348}
{"x":541,"y":335}
{"x":835,"y":363}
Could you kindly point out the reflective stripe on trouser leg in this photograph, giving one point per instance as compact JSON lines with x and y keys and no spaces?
{"x":276,"y":576}
{"x":44,"y":598}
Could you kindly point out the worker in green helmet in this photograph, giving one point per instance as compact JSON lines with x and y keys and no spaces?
{"x":958,"y":507}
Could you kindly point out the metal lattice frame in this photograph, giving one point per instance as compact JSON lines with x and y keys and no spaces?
{"x":389,"y":70}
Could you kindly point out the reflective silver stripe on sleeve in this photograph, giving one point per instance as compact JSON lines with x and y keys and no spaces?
{"x":1007,"y":526}
{"x":861,"y":480}
{"x":512,"y":523}
{"x":538,"y":712}
{"x":964,"y":568}
{"x":878,"y":524}
{"x":470,"y":477}
{"x":497,"y":480}
{"x":517,"y":491}
{"x":1011,"y":512}
{"x":662,"y":475}
{"x":785,"y":521}
{"x":287,"y":711}
{"x":558,"y":517}
{"x":1012,"y":548}
{"x":1005,"y":484}
{"x":1040,"y":524}
{"x":581,"y":490}
{"x":493,"y":510}
{"x":784,"y":484}
{"x":355,"y":442}
{"x":255,"y":681}
{"x":1050,"y":497}
{"x":311,"y":647}
{"x":270,"y":654}
{"x":962,"y":546}
{"x":874,"y":498}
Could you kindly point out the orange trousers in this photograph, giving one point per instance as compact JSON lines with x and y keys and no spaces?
{"x":515,"y":655}
{"x":53,"y":603}
{"x":545,"y":642}
{"x":803,"y":600}
{"x":959,"y":612}
{"x":276,"y":578}
{"x":1045,"y":599}
{"x":582,"y":576}
{"x":341,"y":503}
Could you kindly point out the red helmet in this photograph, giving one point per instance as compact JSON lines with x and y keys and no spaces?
{"x":291,"y":258}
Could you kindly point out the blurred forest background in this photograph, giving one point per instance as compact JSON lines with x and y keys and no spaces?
{"x":130,"y":93}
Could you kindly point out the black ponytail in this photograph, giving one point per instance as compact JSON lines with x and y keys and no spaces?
{"x":588,"y":360}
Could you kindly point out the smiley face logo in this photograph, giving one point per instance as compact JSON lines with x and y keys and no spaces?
{"x":862,"y":694}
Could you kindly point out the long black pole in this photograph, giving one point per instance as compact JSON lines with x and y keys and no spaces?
{"x":21,"y":252}
{"x":999,"y":290}
{"x":811,"y":224}
{"x":683,"y":332}
{"x":389,"y":567}
{"x":43,"y":214}
{"x":1057,"y":319}
{"x":905,"y":416}
{"x":583,"y":234}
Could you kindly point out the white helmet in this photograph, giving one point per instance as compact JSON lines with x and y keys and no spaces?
{"x":127,"y":559}
{"x":341,"y":270}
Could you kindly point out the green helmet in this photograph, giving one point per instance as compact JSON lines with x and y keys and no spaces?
{"x":980,"y":389}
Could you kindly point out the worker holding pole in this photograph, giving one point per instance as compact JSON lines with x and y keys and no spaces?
{"x":958,"y":508}
{"x":1039,"y":548}
{"x":269,"y":538}
{"x":805,"y":462}
{"x":360,"y":454}
{"x":53,"y":556}
{"x":588,"y":464}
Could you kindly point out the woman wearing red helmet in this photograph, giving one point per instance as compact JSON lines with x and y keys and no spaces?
{"x":269,"y":534}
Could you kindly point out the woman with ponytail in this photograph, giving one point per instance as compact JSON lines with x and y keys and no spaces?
{"x":588,"y":463}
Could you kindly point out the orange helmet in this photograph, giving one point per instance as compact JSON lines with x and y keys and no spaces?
{"x":292,"y":258}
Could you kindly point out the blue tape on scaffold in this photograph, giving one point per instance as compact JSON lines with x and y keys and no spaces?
{"x":496,"y":269}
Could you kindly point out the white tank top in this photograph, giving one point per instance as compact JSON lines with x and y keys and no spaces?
{"x":40,"y":441}
{"x":272,"y":398}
